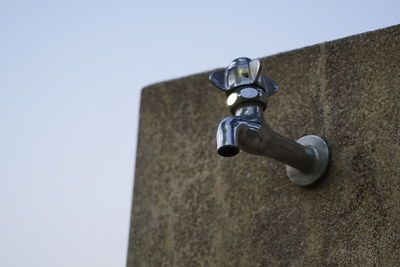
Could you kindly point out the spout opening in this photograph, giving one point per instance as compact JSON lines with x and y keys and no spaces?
{"x":228,"y":150}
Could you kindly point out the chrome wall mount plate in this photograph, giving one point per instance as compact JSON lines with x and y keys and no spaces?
{"x":321,"y":151}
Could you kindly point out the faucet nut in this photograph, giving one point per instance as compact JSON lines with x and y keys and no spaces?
{"x":244,"y":95}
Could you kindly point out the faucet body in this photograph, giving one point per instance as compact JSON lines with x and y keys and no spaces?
{"x":247,"y":98}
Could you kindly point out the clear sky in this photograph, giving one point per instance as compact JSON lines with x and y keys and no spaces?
{"x":70,"y":80}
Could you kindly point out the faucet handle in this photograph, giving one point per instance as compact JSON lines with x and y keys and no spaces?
{"x":241,"y":72}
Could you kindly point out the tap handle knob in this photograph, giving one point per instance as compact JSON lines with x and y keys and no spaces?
{"x":243,"y":72}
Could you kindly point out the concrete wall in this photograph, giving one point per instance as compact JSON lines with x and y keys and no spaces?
{"x":192,"y":207}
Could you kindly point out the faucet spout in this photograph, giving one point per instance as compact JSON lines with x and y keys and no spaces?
{"x":229,"y":133}
{"x":227,"y":144}
{"x":249,"y":132}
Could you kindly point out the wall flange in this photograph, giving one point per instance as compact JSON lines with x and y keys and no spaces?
{"x":321,"y":151}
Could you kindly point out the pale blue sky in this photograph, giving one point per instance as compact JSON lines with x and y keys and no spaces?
{"x":70,"y":80}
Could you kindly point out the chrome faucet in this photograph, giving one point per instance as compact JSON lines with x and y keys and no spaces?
{"x":247,"y":97}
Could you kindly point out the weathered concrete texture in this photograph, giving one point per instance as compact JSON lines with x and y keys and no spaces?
{"x":194,"y":208}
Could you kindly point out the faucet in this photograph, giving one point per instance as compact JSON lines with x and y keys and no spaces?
{"x":247,"y":98}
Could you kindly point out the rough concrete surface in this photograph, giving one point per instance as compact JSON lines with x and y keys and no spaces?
{"x":192,"y":207}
